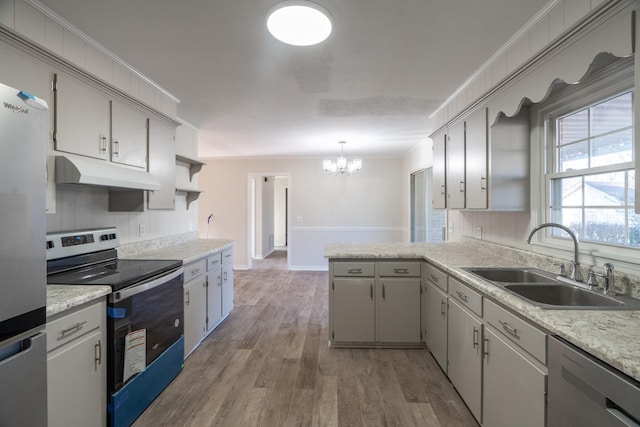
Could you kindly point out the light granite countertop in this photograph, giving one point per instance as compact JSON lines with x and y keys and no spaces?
{"x":612,"y":336}
{"x":188,"y":251}
{"x":65,"y":297}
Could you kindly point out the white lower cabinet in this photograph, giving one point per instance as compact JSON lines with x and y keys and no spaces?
{"x":514,"y":388}
{"x":465,"y":356}
{"x":353,"y":307}
{"x":398,"y":310}
{"x":195,"y":313}
{"x":436,"y":316}
{"x":381,"y":308}
{"x":208,"y":296}
{"x":77,"y":367}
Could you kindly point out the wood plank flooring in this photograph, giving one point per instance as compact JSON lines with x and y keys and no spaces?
{"x":269,"y":365}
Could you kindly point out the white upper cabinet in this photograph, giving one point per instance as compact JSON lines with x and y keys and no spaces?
{"x":455,"y":167}
{"x":438,"y":183}
{"x":128,"y":135}
{"x":476,"y":159}
{"x":81,"y":118}
{"x":162,"y":164}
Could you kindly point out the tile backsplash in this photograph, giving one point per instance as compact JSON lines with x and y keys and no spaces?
{"x":87,"y":207}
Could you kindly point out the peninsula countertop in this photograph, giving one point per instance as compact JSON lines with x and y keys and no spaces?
{"x":612,"y":336}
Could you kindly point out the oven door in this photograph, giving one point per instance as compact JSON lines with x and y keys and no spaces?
{"x":155,"y":306}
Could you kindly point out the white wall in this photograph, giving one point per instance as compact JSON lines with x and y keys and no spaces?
{"x":323,"y":208}
{"x":268,"y":217}
{"x":279,"y":210}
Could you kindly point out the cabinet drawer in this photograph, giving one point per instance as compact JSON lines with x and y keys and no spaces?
{"x":516,"y":330}
{"x":227,"y":255}
{"x":467,"y":296}
{"x":214,"y":261}
{"x":436,"y":276}
{"x":73,"y":325}
{"x":194,"y":269}
{"x":400,"y":269}
{"x":347,"y":269}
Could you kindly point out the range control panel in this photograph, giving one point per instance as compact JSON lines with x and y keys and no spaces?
{"x":68,"y":243}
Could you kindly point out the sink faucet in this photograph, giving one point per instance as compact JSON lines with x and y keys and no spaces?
{"x":575,"y":274}
{"x":609,"y":285}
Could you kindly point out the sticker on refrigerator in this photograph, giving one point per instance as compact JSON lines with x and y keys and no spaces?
{"x":135,"y":345}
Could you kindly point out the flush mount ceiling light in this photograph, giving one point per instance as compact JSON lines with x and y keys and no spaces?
{"x":342,"y":165}
{"x":299,"y":23}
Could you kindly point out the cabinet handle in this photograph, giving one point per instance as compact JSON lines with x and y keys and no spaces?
{"x":227,"y":256}
{"x":462,"y":186}
{"x":219,"y":281}
{"x":485,"y":352}
{"x":224,"y":276}
{"x":97,"y":349}
{"x":510,"y":329}
{"x":72,"y":329}
{"x":434,"y":278}
{"x":195,"y":271}
{"x":443,"y":311}
{"x":401,"y":270}
{"x":476,"y":336}
{"x":102,"y":144}
{"x":116,"y":149}
{"x":483,"y":183}
{"x":371,"y":290}
{"x":354,"y":271}
{"x":462,"y":296}
{"x":188,"y":299}
{"x":442,"y":190}
{"x":383,"y":295}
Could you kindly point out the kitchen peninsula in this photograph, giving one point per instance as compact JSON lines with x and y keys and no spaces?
{"x":612,"y":336}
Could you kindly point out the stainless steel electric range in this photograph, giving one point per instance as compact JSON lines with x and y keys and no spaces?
{"x":145,"y":307}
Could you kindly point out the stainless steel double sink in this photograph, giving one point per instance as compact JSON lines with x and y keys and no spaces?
{"x":547,"y":291}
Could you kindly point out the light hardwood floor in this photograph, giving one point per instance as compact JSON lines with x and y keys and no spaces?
{"x":269,"y":365}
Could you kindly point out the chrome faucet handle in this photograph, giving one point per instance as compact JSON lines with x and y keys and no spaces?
{"x":609,"y":279}
{"x":592,"y":282}
{"x":563,"y":270}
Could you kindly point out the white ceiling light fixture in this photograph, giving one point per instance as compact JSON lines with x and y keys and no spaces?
{"x":299,"y":23}
{"x":342,"y":165}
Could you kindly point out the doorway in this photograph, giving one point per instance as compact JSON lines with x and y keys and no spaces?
{"x":268,"y":218}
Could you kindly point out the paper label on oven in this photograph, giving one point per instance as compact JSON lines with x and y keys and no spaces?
{"x":135,"y":346}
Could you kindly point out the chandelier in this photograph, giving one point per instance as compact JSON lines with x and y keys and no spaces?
{"x":342,"y":165}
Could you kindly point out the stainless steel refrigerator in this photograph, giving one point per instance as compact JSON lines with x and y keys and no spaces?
{"x":23,"y":353}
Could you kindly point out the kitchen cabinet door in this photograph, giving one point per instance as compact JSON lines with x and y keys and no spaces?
{"x":128,"y":135}
{"x":513,"y":387}
{"x":162,"y":164}
{"x":436,"y":324}
{"x":82,"y":119}
{"x":455,"y":167}
{"x":476,"y":160}
{"x":353,"y":310}
{"x":438,"y":182}
{"x":77,"y":368}
{"x":214,"y":298}
{"x":398,"y":310}
{"x":227,"y":288}
{"x":465,"y":356}
{"x":195,"y":313}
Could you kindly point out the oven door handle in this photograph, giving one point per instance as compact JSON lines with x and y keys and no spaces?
{"x":143,"y":287}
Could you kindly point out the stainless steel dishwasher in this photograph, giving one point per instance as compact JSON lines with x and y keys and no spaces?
{"x":584,"y":391}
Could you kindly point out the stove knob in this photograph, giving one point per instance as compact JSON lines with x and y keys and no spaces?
{"x":104,"y":237}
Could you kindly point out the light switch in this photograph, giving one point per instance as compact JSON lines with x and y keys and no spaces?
{"x":299,"y":218}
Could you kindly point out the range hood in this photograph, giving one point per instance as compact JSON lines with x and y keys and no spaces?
{"x":87,"y":171}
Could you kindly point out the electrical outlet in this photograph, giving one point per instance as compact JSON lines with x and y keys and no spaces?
{"x":479,"y":233}
{"x":142,"y":230}
{"x":299,"y":219}
{"x":190,"y":226}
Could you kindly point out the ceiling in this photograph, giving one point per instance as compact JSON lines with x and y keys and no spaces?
{"x":387,"y":66}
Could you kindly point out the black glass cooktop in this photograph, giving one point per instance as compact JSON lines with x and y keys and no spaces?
{"x":118,"y":273}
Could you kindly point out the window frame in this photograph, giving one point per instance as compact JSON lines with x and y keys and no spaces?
{"x":605,"y":83}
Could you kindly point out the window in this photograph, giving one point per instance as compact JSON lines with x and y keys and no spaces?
{"x":426,"y":224}
{"x":590,"y":176}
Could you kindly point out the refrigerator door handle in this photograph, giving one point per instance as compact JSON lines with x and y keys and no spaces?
{"x":15,"y":350}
